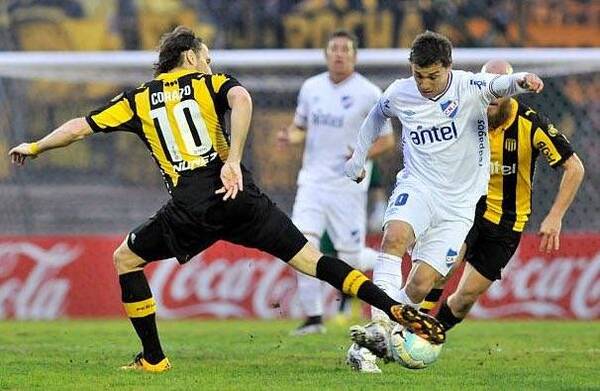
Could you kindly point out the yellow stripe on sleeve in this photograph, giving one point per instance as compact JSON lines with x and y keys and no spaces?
{"x":353,"y":282}
{"x":113,"y":116}
{"x":218,"y":81}
{"x":140,"y":309}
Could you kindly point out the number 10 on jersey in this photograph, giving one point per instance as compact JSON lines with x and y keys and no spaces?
{"x":191,"y":129}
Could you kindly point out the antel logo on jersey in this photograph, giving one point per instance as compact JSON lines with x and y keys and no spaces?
{"x":433,"y":134}
{"x":497,"y":168}
{"x":449,"y":108}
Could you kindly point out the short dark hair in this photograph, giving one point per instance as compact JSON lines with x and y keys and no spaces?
{"x":344,"y":34}
{"x":430,"y":48}
{"x":171,"y":46}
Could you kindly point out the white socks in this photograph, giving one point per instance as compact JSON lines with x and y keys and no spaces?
{"x":387,"y":275}
{"x":403,"y":298}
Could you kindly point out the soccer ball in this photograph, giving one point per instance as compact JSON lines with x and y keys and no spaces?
{"x":412,"y":351}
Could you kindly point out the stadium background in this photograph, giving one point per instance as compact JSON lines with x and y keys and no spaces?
{"x":62,"y":215}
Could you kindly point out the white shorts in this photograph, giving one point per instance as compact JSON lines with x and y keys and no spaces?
{"x":342,"y":215}
{"x":440,"y":227}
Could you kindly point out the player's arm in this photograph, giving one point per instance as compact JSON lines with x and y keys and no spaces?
{"x":371,"y":128}
{"x":558,"y":153}
{"x":569,"y":185}
{"x":492,"y":86}
{"x":240,"y":102}
{"x":295,"y":133}
{"x":292,"y":134}
{"x":69,"y":132}
{"x":383,"y":144}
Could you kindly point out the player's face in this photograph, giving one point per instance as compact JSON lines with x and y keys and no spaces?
{"x":341,"y":56}
{"x":431,"y":80}
{"x":498,"y":110}
{"x":203,"y":60}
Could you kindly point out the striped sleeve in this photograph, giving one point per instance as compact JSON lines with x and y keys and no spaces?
{"x":550,"y":142}
{"x":117,"y":115}
{"x":221,"y":84}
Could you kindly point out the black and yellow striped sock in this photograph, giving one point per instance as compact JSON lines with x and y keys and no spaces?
{"x":431,"y":300}
{"x":141,"y":310}
{"x":446,"y":317}
{"x":353,"y":282}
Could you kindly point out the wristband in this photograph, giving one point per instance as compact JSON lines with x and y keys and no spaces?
{"x":34,"y":148}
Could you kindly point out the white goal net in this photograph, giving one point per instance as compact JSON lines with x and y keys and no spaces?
{"x":109,"y":184}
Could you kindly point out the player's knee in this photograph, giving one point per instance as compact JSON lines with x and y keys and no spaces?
{"x":397,"y":238}
{"x":462,"y":301}
{"x":124,"y":260}
{"x":417,"y":288}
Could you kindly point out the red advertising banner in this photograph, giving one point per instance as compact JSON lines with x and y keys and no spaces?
{"x":49,"y":277}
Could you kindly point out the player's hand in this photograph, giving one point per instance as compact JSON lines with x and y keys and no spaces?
{"x":357,"y":174}
{"x":550,"y":233}
{"x":348,"y":155}
{"x":231,"y":176}
{"x":283,"y":138}
{"x":21,"y":152}
{"x":531,"y":82}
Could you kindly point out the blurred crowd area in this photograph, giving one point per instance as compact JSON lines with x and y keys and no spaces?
{"x":137,"y":24}
{"x":109,"y":183}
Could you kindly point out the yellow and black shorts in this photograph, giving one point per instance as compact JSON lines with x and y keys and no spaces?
{"x":195,"y":218}
{"x":490,"y":247}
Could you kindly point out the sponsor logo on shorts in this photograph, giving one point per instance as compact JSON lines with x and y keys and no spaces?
{"x":451,"y":256}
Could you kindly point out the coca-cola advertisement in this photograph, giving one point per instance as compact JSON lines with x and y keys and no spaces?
{"x":49,"y":277}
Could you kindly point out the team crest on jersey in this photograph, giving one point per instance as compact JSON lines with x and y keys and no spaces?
{"x":451,"y":256}
{"x":552,"y":131}
{"x":347,"y":101}
{"x":510,"y":144}
{"x":449,"y":108}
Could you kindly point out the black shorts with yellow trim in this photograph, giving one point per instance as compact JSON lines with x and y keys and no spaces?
{"x":490,"y":247}
{"x":195,"y":218}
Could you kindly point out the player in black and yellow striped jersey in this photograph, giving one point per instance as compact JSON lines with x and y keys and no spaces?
{"x":518,"y":135}
{"x":179,"y":116}
{"x":515,"y":144}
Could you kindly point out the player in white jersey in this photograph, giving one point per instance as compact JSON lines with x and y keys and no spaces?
{"x":331,"y":106}
{"x":446,"y":170}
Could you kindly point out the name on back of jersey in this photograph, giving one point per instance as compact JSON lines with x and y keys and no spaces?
{"x":162,"y":97}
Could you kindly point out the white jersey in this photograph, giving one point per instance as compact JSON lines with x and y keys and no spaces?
{"x":332,"y":114}
{"x":444,"y":140}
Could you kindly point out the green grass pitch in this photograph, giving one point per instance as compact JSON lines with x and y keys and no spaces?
{"x":252,"y":355}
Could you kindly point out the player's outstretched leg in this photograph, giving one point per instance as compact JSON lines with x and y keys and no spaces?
{"x":353,"y":282}
{"x":141,"y":309}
